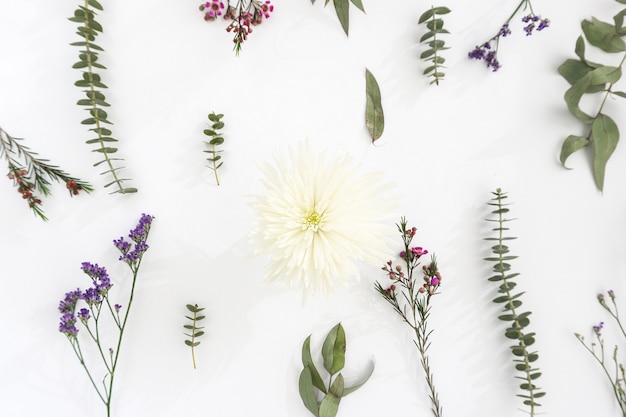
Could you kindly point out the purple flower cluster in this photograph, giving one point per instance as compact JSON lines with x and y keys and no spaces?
{"x":532,"y":20}
{"x":598,"y":328}
{"x":138,"y":235}
{"x":488,"y":51}
{"x":67,"y":306}
{"x":101,"y":283}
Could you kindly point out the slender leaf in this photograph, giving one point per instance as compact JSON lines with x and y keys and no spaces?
{"x":374,"y":116}
{"x":605,"y":137}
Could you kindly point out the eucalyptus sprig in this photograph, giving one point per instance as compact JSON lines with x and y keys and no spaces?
{"x":587,"y":78}
{"x":311,"y":384}
{"x":434,"y":24}
{"x":615,"y":373}
{"x":196,"y":331}
{"x":216,"y":140}
{"x":416,"y":293}
{"x":88,"y":29}
{"x":517,"y":320}
{"x":342,"y":8}
{"x":30,"y":173}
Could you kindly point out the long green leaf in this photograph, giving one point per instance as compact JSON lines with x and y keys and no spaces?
{"x":605,"y":137}
{"x":334,"y":349}
{"x":307,"y":393}
{"x":374,"y":116}
{"x":307,"y":361}
{"x":330,"y":403}
{"x":342,"y":8}
{"x":367,"y":376}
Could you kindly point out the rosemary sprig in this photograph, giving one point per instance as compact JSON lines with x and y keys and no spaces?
{"x":519,"y":321}
{"x":88,"y":29}
{"x":195,"y":330}
{"x":32,"y":174}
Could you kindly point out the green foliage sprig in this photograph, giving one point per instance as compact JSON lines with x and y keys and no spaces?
{"x":196,"y":331}
{"x":95,"y":100}
{"x":616,"y":375}
{"x":415,"y":293}
{"x":586,"y":78}
{"x":518,"y":321}
{"x":30,"y":173}
{"x":311,"y":383}
{"x":434,"y":24}
{"x":216,"y":140}
{"x":374,"y":115}
{"x":342,"y":8}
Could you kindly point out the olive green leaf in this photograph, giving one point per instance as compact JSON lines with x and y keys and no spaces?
{"x":603,"y":36}
{"x":434,"y":43}
{"x":572,"y":144}
{"x":573,"y":96}
{"x":374,"y":116}
{"x":358,"y":4}
{"x":307,"y":362}
{"x":330,"y":403}
{"x":334,"y":350}
{"x":342,"y":7}
{"x":307,"y":392}
{"x":605,"y":137}
{"x":370,"y":371}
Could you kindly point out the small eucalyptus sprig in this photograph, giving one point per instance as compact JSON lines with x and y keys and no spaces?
{"x":88,"y":29}
{"x":615,"y":373}
{"x":587,"y":78}
{"x":32,"y":174}
{"x":518,"y":320}
{"x":342,"y":8}
{"x":243,"y":15}
{"x":216,"y":140}
{"x":416,"y":294}
{"x":434,"y":24}
{"x":311,"y":383}
{"x":488,"y":51}
{"x":196,"y":331}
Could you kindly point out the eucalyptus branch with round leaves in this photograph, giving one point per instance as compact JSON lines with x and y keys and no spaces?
{"x":311,"y":384}
{"x":587,"y":78}
{"x":434,"y":24}
{"x":615,"y":372}
{"x":342,"y":8}
{"x":216,"y":140}
{"x":30,"y":173}
{"x":518,"y":321}
{"x":196,"y":331}
{"x":88,"y":29}
{"x":416,"y":294}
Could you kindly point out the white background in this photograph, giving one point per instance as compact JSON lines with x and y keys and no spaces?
{"x":446,"y":148}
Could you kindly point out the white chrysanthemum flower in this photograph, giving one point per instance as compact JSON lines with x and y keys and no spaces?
{"x":318,"y":216}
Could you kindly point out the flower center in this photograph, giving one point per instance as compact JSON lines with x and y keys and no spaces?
{"x":312,"y":221}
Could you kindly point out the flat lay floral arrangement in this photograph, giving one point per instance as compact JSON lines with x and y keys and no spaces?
{"x":312,"y":229}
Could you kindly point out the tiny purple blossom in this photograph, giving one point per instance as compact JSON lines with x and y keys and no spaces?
{"x":418,"y":251}
{"x":118,"y":307}
{"x":598,"y":328}
{"x":83,"y":315}
{"x":543,"y":24}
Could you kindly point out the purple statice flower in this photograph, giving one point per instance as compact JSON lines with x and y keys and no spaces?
{"x":598,"y":328}
{"x":544,"y":23}
{"x":101,"y":283}
{"x":67,"y":306}
{"x":118,"y":307}
{"x":83,"y":315}
{"x":504,"y":31}
{"x":138,"y":235}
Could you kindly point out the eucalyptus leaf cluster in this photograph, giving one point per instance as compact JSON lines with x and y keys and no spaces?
{"x":374,"y":115}
{"x":311,"y":384}
{"x":31,"y":174}
{"x":342,"y":8}
{"x":95,"y":101}
{"x":589,"y":78}
{"x":510,"y":299}
{"x":216,"y":139}
{"x":614,"y":371}
{"x":194,"y":330}
{"x":434,"y":24}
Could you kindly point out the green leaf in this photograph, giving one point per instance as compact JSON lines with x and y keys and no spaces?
{"x":342,"y":9}
{"x":573,"y":96}
{"x":307,"y":393}
{"x":307,"y":361}
{"x":353,"y":388}
{"x":572,"y":144}
{"x":330,"y":403}
{"x":605,"y":75}
{"x":95,"y":4}
{"x":358,"y":4}
{"x":603,"y":35}
{"x":573,"y":70}
{"x":374,"y":116}
{"x":605,"y":137}
{"x":334,"y":350}
{"x":216,"y":141}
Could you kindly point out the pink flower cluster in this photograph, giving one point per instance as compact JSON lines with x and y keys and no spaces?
{"x":213,"y":9}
